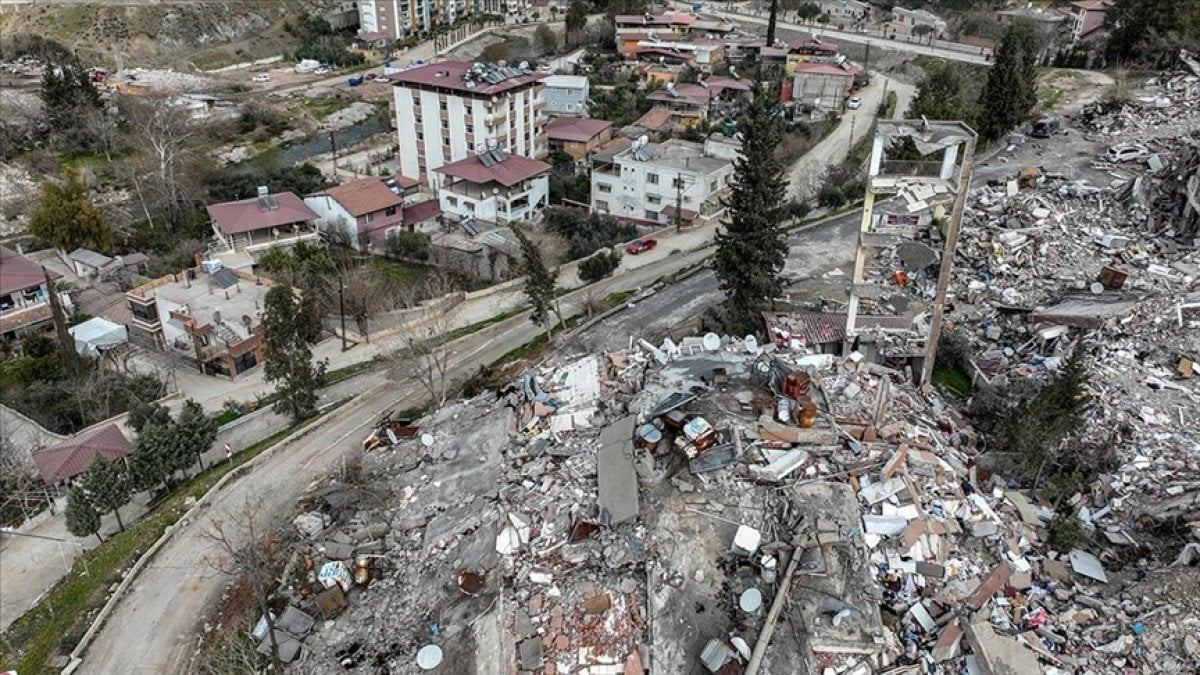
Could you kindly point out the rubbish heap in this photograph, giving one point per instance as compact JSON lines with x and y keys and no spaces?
{"x":714,"y":505}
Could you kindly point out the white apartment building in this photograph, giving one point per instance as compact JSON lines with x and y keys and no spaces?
{"x":494,"y":187}
{"x":644,"y":181}
{"x":451,"y":110}
{"x":399,"y":18}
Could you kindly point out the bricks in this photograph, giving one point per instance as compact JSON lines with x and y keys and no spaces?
{"x":990,"y":586}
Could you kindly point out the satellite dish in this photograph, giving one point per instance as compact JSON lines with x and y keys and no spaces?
{"x":751,"y":343}
{"x":429,"y":657}
{"x":711,"y":342}
{"x":751,"y":600}
{"x":427,"y":440}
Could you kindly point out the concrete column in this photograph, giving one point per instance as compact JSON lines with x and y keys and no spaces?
{"x":948,"y":158}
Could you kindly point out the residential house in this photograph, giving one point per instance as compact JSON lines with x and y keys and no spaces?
{"x":906,"y":20}
{"x":251,"y":225}
{"x":566,"y":95}
{"x":1054,"y":26}
{"x":88,"y":264}
{"x":640,"y":181}
{"x":361,"y":211}
{"x":24,"y":302}
{"x":210,"y":315}
{"x":694,"y":103}
{"x":578,"y":137}
{"x":494,"y":187}
{"x":371,"y":41}
{"x":68,"y":459}
{"x":1089,"y":16}
{"x":654,"y":123}
{"x":667,"y":22}
{"x":450,"y":110}
{"x":701,"y":52}
{"x":845,"y":11}
{"x":822,"y":86}
{"x":810,"y":50}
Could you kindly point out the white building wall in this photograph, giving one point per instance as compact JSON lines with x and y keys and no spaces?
{"x":330,"y":211}
{"x":495,"y":207}
{"x":479,"y":135}
{"x":431,"y":128}
{"x":405,"y":127}
{"x":367,"y":21}
{"x":458,"y":109}
{"x":633,"y":195}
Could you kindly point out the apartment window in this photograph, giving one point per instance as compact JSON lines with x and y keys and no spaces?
{"x":446,"y":141}
{"x":452,"y":201}
{"x":604,"y":187}
{"x":420,"y":136}
{"x":442,"y":105}
{"x":369,"y":217}
{"x":144,"y":312}
{"x":601,"y":205}
{"x":653,"y":199}
{"x":676,"y":182}
{"x":712,"y":186}
{"x":470,"y":206}
{"x":651,"y":215}
{"x":445,"y":124}
{"x":470,"y":128}
{"x":389,"y":211}
{"x":652,"y":178}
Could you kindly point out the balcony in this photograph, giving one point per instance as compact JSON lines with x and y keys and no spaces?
{"x":283,"y":241}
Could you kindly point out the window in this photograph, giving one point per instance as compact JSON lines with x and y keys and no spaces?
{"x":369,"y":217}
{"x":604,"y":187}
{"x":470,"y":129}
{"x":389,"y":211}
{"x":601,"y":205}
{"x":651,"y":215}
{"x":712,"y":186}
{"x":470,"y":206}
{"x":653,"y":199}
{"x":420,"y":136}
{"x":442,"y":105}
{"x":144,"y":312}
{"x":446,"y":141}
{"x":452,"y":201}
{"x":676,"y":182}
{"x":445,"y":124}
{"x":652,"y":178}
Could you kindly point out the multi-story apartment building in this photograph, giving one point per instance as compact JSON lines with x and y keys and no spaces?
{"x":24,"y":299}
{"x":646,"y":182}
{"x":399,"y":18}
{"x":450,"y":110}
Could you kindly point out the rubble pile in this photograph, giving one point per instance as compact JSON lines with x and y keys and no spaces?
{"x":714,"y":505}
{"x":164,"y":80}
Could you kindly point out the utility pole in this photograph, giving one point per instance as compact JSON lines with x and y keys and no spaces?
{"x":333,"y":151}
{"x":850,"y":145}
{"x":679,"y":202}
{"x":867,"y":62}
{"x":342,"y":307}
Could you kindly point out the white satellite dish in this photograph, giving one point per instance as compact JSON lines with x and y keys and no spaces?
{"x":750,"y":600}
{"x":751,"y":343}
{"x":429,"y":657}
{"x":427,"y":440}
{"x":711,"y":342}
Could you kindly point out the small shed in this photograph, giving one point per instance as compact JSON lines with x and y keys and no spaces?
{"x":97,"y":335}
{"x":88,"y":263}
{"x":71,"y":458}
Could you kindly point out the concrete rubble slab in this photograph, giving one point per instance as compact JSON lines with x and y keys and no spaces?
{"x":616,"y":477}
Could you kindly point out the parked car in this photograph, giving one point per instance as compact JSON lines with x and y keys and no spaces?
{"x":356,"y":80}
{"x":854,"y":103}
{"x":1126,"y":152}
{"x":262,"y":77}
{"x":323,"y":70}
{"x":1045,"y":127}
{"x":640,"y":245}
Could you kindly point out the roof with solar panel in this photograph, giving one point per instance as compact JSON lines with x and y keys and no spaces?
{"x":469,"y":77}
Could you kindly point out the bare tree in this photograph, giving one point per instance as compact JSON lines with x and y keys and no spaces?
{"x":366,"y":294}
{"x":426,"y":355}
{"x":167,"y":135}
{"x":593,"y":300}
{"x":251,"y":553}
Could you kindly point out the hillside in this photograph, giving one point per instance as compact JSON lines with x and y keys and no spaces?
{"x":184,"y":35}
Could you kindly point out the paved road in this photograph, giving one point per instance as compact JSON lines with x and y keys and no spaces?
{"x":808,"y":172}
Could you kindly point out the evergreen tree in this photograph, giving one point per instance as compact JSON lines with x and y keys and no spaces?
{"x":66,"y":217}
{"x":751,"y":247}
{"x":576,"y":21}
{"x":195,"y":430}
{"x":107,"y":486}
{"x":540,"y":282}
{"x":1152,"y":32}
{"x":940,"y":94}
{"x":153,"y":456}
{"x":72,"y":362}
{"x":143,"y":413}
{"x":1011,"y":89}
{"x":70,"y":103}
{"x":82,"y":517}
{"x":288,"y":362}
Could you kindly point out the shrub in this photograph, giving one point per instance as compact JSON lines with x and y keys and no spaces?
{"x":599,"y":266}
{"x":409,"y":245}
{"x":831,"y":197}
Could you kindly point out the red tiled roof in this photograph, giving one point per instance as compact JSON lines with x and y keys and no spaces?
{"x":687,"y":92}
{"x":817,"y":327}
{"x":676,"y":18}
{"x":512,"y":170}
{"x":422,"y":211}
{"x":822,"y":69}
{"x":60,"y":462}
{"x":655,"y":118}
{"x":405,"y":182}
{"x":18,"y":272}
{"x":370,"y":37}
{"x":449,"y":75}
{"x":686,"y":214}
{"x":1093,"y":5}
{"x":575,"y":128}
{"x":364,"y":196}
{"x":246,"y":216}
{"x":665,"y":52}
{"x":810,"y":43}
{"x":719,"y":83}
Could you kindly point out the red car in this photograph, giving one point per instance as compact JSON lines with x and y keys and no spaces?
{"x":643,"y":244}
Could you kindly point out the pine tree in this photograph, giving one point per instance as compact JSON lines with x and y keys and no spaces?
{"x":66,"y":217}
{"x":70,"y":101}
{"x":72,"y":362}
{"x":752,"y":245}
{"x":82,"y":517}
{"x":196,"y":431}
{"x":540,"y":282}
{"x":143,"y":413}
{"x":288,"y":362}
{"x":940,"y":94}
{"x":576,"y":21}
{"x":152,"y":459}
{"x":107,"y":486}
{"x":1011,"y":89}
